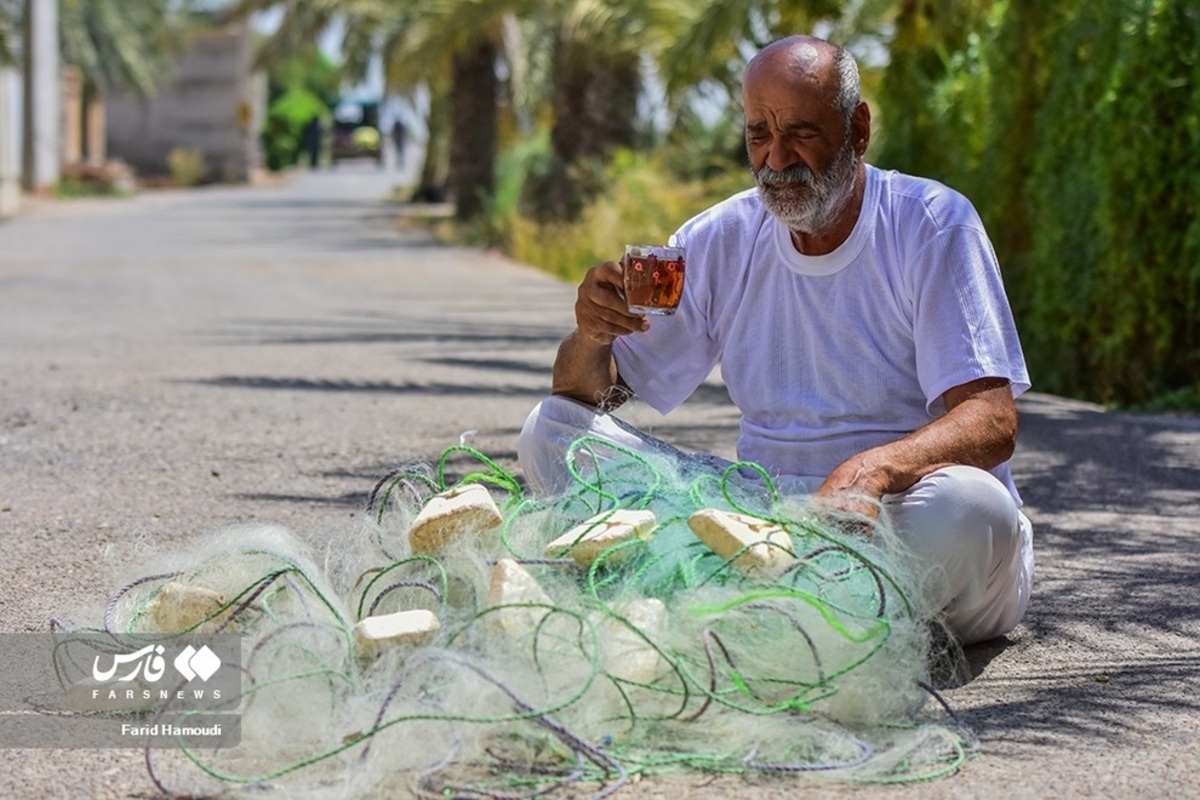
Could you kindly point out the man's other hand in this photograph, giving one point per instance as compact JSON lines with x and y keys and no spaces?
{"x":848,"y":493}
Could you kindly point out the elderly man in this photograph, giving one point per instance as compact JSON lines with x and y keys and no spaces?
{"x":862,"y":330}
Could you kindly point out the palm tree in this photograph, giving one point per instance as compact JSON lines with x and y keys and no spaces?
{"x":119,"y":44}
{"x":473,"y":118}
{"x":596,"y":72}
{"x":10,"y":20}
{"x":577,"y":62}
{"x":448,"y":47}
{"x":116,"y":45}
{"x":454,"y":48}
{"x":717,"y":37}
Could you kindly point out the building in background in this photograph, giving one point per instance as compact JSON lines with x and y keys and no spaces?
{"x":57,"y":125}
{"x":212,"y":109}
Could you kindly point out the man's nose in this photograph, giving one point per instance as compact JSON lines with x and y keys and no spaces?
{"x":780,"y":157}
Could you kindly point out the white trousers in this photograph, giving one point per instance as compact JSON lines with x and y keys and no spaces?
{"x":958,"y":521}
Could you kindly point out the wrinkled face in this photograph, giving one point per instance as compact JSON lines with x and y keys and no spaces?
{"x":800,"y":147}
{"x":805,"y":200}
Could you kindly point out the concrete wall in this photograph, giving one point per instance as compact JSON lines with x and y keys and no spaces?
{"x":212,"y":104}
{"x":10,"y":141}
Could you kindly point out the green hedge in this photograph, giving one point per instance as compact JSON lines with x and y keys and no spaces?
{"x":1074,"y":126}
{"x":283,"y":131}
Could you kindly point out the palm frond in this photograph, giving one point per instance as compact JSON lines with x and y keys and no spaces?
{"x":10,"y":21}
{"x":118,"y":44}
{"x":708,"y":45}
{"x":302,"y":24}
{"x":529,"y":45}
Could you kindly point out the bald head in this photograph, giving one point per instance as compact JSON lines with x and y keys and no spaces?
{"x":794,"y":54}
{"x":809,"y":65}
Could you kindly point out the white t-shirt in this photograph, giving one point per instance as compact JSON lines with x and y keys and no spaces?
{"x":828,"y":356}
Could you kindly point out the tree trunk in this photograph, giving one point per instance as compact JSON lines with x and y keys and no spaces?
{"x":595,"y":111}
{"x":473,"y":139}
{"x":595,"y":101}
{"x":432,"y":186}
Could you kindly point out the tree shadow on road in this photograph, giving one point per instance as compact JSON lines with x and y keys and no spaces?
{"x":432,"y":388}
{"x":1109,"y":647}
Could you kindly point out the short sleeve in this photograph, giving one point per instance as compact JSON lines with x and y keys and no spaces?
{"x":963,"y":325}
{"x":665,"y":364}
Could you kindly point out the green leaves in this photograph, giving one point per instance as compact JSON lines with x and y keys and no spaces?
{"x":118,"y":44}
{"x":1075,"y":129}
{"x":10,"y":17}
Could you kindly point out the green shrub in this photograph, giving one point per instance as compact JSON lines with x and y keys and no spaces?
{"x":642,"y":202}
{"x":283,"y":132}
{"x":503,"y":206}
{"x":1075,"y":129}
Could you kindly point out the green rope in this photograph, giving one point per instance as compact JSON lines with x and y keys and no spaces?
{"x":840,"y":586}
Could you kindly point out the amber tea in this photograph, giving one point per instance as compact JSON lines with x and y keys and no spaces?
{"x":653,"y":278}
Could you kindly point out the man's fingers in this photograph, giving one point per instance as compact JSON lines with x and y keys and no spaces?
{"x":604,"y":331}
{"x":852,"y":513}
{"x":600,"y":310}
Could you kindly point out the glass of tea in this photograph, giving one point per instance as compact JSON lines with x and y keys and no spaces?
{"x":653,"y":278}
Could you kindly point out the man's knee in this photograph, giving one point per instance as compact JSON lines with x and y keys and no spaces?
{"x":965,"y":522}
{"x":557,"y":422}
{"x":548,"y":430}
{"x":950,"y":503}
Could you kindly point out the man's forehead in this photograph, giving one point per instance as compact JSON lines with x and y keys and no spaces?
{"x":794,"y":72}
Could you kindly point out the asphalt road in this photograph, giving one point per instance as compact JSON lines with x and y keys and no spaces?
{"x":181,"y":362}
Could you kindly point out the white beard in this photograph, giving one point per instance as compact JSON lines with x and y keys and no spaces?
{"x":803,"y":200}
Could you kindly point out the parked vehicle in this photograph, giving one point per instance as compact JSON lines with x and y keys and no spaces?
{"x":356,"y":131}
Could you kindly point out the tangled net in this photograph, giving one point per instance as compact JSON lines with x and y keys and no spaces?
{"x":659,"y":656}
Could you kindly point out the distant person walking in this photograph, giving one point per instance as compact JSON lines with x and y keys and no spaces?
{"x":398,"y":134}
{"x":312,"y":141}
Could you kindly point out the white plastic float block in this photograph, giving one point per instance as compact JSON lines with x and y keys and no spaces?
{"x":415,"y":627}
{"x":179,"y":607}
{"x":513,"y":585}
{"x":627,"y":655}
{"x":451,"y":514}
{"x":585,"y":542}
{"x":765,"y":548}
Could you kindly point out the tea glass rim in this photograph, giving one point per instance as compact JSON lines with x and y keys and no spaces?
{"x":657,"y":250}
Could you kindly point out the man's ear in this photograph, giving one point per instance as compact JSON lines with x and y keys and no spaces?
{"x":860,"y":128}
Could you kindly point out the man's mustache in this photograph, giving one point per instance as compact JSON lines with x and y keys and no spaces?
{"x":790,"y":176}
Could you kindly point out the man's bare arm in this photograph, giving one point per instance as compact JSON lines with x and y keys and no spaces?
{"x":585,"y":368}
{"x":979,"y":429}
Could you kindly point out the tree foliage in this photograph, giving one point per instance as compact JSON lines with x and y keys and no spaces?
{"x":1075,"y":128}
{"x":300,"y":86}
{"x":119,"y":44}
{"x":10,"y":21}
{"x":288,"y":117}
{"x":306,"y":69}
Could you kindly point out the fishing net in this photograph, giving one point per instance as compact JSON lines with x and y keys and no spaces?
{"x":804,"y":652}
